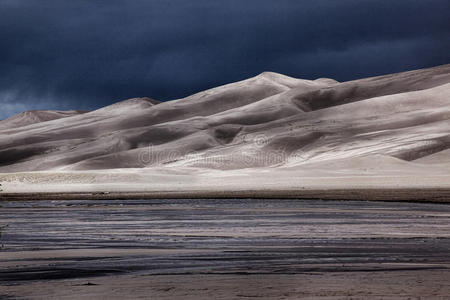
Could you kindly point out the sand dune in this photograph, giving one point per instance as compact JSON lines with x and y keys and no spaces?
{"x":393,"y":124}
{"x":36,"y":116}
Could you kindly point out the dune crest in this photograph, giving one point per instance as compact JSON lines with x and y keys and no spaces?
{"x":37,"y":116}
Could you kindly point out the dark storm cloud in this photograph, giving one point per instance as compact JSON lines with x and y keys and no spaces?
{"x":86,"y":54}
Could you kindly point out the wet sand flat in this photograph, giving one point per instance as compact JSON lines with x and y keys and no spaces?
{"x":420,"y":194}
{"x":224,"y":249}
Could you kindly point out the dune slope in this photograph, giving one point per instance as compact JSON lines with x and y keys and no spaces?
{"x":387,"y":124}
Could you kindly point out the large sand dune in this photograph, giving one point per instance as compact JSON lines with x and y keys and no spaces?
{"x":269,"y":130}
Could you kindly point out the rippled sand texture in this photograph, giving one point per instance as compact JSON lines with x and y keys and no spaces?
{"x":224,"y":249}
{"x":270,"y":128}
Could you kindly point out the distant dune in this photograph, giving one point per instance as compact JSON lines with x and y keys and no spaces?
{"x":268,"y":125}
{"x":36,"y":116}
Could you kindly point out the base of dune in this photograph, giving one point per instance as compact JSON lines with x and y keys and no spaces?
{"x":250,"y":183}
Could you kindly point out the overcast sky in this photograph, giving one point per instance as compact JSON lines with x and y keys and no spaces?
{"x":84,"y":54}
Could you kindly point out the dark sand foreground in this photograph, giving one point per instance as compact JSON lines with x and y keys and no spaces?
{"x":437,"y":195}
{"x":224,"y":249}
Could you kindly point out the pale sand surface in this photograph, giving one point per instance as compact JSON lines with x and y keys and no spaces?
{"x":224,"y":249}
{"x":249,"y":183}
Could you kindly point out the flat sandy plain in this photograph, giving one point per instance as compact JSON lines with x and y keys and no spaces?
{"x":224,"y":249}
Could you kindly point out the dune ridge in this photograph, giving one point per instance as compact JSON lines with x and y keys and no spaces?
{"x":37,"y":116}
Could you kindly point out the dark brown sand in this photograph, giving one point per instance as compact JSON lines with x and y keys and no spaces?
{"x":437,"y":195}
{"x":224,"y":249}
